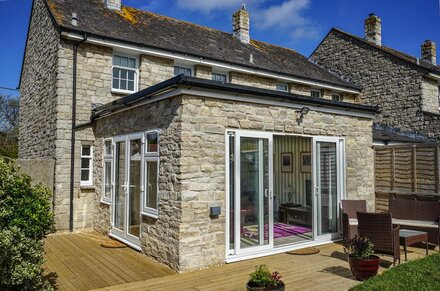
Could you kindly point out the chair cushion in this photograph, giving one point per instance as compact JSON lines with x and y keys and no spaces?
{"x":418,"y":223}
{"x":353,"y":221}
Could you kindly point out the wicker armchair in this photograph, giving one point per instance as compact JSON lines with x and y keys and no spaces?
{"x":349,"y":218}
{"x":379,"y":228}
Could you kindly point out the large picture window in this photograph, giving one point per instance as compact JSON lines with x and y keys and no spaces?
{"x":124,"y":74}
{"x":86,"y":165}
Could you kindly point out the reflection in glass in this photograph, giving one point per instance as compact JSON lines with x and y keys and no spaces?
{"x":134,"y":187}
{"x":119,"y":186}
{"x":151,"y":168}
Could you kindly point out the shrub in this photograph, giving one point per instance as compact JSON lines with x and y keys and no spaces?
{"x":25,"y":219}
{"x":20,"y":261}
{"x":22,"y":204}
{"x":359,"y":247}
{"x":262,"y":277}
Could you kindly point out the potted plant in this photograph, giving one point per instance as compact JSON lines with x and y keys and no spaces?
{"x":262,"y":279}
{"x":363,"y":263}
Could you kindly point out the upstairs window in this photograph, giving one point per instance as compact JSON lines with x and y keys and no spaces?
{"x":315,"y":93}
{"x":282,"y":87}
{"x":86,"y":165}
{"x":182,"y":70}
{"x":219,"y":77}
{"x":337,"y":97}
{"x":124,"y":74}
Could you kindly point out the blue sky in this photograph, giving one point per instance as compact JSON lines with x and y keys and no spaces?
{"x":297,"y":24}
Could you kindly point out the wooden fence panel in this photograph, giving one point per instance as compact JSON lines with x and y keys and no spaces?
{"x":406,"y":172}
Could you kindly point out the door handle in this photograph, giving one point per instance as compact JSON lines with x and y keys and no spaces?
{"x":266,"y":193}
{"x":316,"y":191}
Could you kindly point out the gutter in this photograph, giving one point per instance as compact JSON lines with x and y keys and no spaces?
{"x":73,"y":130}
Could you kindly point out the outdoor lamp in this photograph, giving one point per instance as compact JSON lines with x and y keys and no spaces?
{"x":301,"y":113}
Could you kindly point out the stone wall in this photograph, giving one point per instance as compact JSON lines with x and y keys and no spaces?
{"x":430,"y":95}
{"x":38,"y":88}
{"x":153,"y":70}
{"x":160,"y":237}
{"x":204,"y":123}
{"x":203,"y":72}
{"x":397,"y":87}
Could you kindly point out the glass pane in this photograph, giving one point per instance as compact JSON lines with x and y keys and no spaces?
{"x":124,"y":62}
{"x":130,"y":85}
{"x":152,"y":142}
{"x":115,"y":84}
{"x":85,"y":175}
{"x":107,"y":179}
{"x":151,"y":184}
{"x":124,"y":74}
{"x":130,"y":75}
{"x":327,"y":183}
{"x":116,"y":60}
{"x":108,"y":147}
{"x":231,"y":190}
{"x":120,"y":186}
{"x":85,"y":163}
{"x":254,"y":185}
{"x":132,"y":63}
{"x":86,"y":150}
{"x":123,"y":85}
{"x":134,"y":187}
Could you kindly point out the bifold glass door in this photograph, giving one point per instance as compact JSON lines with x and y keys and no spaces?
{"x":127,"y":188}
{"x":251,"y":214}
{"x":329,"y":183}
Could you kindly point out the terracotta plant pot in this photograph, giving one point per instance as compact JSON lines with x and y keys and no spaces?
{"x":255,"y":288}
{"x":363,"y":269}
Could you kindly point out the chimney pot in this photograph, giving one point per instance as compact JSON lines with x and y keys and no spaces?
{"x":373,"y":29}
{"x":74,"y":19}
{"x":429,"y":53}
{"x":240,"y":23}
{"x":113,"y":4}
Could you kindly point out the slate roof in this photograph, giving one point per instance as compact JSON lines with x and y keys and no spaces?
{"x":157,"y":31}
{"x":389,"y":134}
{"x":419,"y":63}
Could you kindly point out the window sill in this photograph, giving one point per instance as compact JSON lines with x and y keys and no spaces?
{"x":87,"y":187}
{"x":122,"y":92}
{"x":109,"y":203}
{"x":152,"y":215}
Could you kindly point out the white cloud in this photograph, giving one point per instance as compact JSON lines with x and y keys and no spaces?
{"x":288,"y":17}
{"x":207,"y":6}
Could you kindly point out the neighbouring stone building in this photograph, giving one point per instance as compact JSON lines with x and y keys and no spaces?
{"x":405,"y":88}
{"x":192,"y":145}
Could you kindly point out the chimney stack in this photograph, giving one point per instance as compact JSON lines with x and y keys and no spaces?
{"x":240,"y":23}
{"x":429,"y":53}
{"x":113,"y":4}
{"x":373,"y":29}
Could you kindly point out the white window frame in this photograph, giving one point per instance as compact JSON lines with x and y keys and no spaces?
{"x":150,"y":157}
{"x":88,"y":182}
{"x":107,"y":158}
{"x":184,"y":67}
{"x":136,"y":73}
{"x":315,"y":90}
{"x":282,"y":84}
{"x":340,"y":99}
{"x":220,"y":73}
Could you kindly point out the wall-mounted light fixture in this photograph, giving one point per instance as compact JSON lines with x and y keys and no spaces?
{"x":300,"y":114}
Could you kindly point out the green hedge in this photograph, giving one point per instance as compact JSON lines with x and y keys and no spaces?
{"x":25,"y":219}
{"x":421,"y":274}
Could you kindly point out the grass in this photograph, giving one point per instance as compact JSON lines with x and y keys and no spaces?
{"x":421,"y":274}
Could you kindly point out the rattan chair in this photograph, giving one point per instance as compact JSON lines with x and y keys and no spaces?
{"x":349,"y":218}
{"x":379,"y":228}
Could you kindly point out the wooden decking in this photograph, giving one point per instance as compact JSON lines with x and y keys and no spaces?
{"x":327,"y":270}
{"x":78,"y":262}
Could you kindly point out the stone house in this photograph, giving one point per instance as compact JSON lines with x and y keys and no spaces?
{"x":192,"y":145}
{"x":405,"y":88}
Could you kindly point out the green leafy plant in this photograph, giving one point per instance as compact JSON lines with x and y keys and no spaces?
{"x":359,"y":247}
{"x":262,"y":277}
{"x":23,"y":204}
{"x":25,"y":219}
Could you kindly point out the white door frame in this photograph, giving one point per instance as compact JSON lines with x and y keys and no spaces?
{"x":340,"y":175}
{"x":237,"y":218}
{"x":124,"y":235}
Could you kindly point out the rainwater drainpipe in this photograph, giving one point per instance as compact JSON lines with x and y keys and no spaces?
{"x":72,"y":138}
